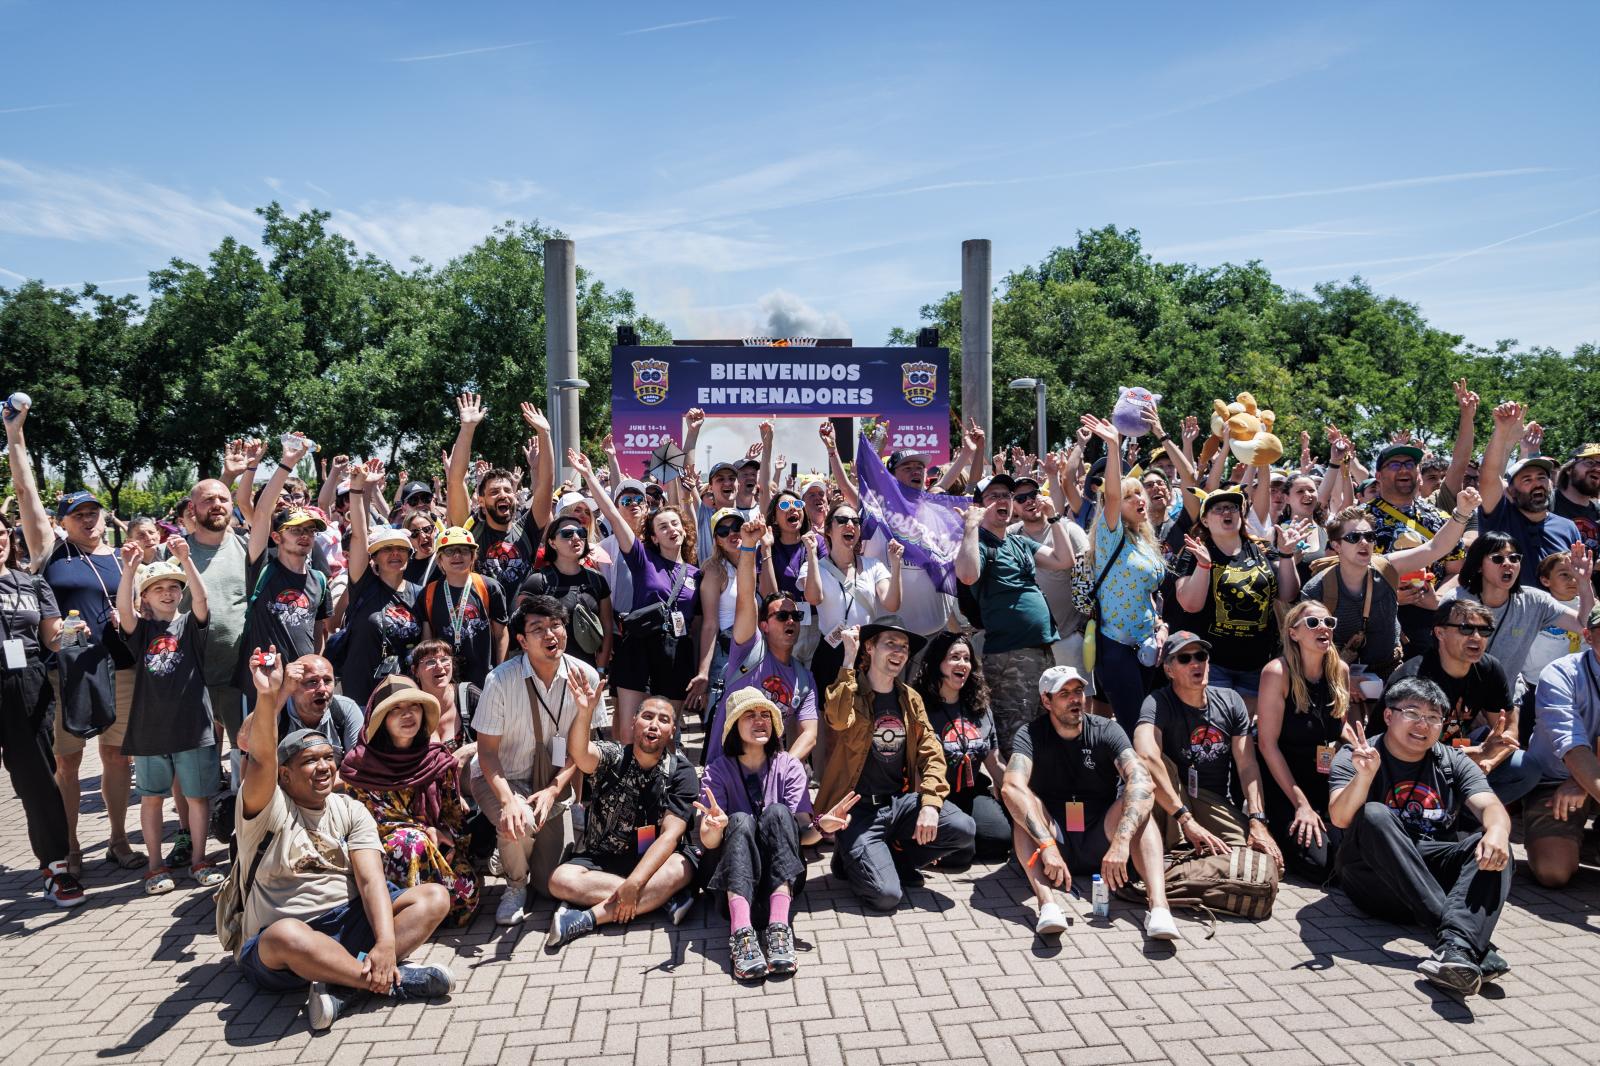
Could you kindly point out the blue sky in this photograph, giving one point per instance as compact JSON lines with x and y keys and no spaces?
{"x":817,"y":167}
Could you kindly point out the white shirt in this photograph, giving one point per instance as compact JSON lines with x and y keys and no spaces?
{"x":618,"y":576}
{"x":504,"y":711}
{"x":923,"y":607}
{"x":847,"y":602}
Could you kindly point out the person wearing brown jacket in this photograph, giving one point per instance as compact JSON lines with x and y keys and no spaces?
{"x":884,"y":787}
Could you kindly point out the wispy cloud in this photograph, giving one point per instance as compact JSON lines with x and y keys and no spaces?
{"x":463,"y":52}
{"x":1489,"y":247}
{"x":986,"y":183}
{"x":34,"y":107}
{"x":677,"y":25}
{"x":1392,"y":183}
{"x":13,"y":274}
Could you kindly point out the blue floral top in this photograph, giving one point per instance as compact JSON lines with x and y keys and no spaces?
{"x":1127,"y":612}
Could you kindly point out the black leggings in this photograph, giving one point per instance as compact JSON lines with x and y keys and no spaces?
{"x":26,"y":746}
{"x":993,"y":840}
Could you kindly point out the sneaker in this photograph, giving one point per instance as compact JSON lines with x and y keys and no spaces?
{"x":1493,"y":966}
{"x":910,"y":876}
{"x":1158,"y":924}
{"x":1052,"y":919}
{"x":749,"y":964}
{"x":780,"y":948}
{"x":326,"y":1002}
{"x":679,"y":906}
{"x":422,"y":982}
{"x":60,"y":887}
{"x":182,"y":850}
{"x":568,"y":924}
{"x":512,"y":900}
{"x":1452,"y":969}
{"x":495,"y":869}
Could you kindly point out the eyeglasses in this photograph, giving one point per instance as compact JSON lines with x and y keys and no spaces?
{"x":1505,"y":557}
{"x":727,"y":529}
{"x":786,"y":616}
{"x":1432,"y":721}
{"x":457,"y":551}
{"x":1223,"y":508}
{"x":1184,"y":658}
{"x":432,"y":661}
{"x":1360,"y":536}
{"x":1470,"y":629}
{"x":997,"y":497}
{"x":570,"y":533}
{"x":846,"y":520}
{"x":629,"y":500}
{"x":1316,"y":621}
{"x":1400,"y":464}
{"x":789,"y":503}
{"x":1025,"y":497}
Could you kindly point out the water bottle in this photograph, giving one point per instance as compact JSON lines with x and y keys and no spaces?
{"x":293,"y":440}
{"x":1101,"y":897}
{"x":17,"y":401}
{"x":74,"y":631}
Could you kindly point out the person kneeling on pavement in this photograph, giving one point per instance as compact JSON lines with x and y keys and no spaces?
{"x":1398,"y":797}
{"x":635,"y":854}
{"x":317,"y":910}
{"x":1062,"y":786}
{"x":756,"y":804}
{"x":886,"y":771}
{"x":1565,"y":737}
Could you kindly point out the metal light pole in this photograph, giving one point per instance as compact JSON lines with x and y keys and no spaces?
{"x":977,"y":334}
{"x":1039,"y":428}
{"x":559,"y":389}
{"x":561,"y":343}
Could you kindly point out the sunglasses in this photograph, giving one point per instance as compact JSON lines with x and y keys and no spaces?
{"x":789,"y":503}
{"x":423,"y":498}
{"x":629,"y":500}
{"x":1316,"y":622}
{"x":727,"y":529}
{"x":1025,"y":497}
{"x":1504,"y":558}
{"x":1360,"y":537}
{"x":1471,"y":629}
{"x":1184,"y":658}
{"x":419,"y":533}
{"x":786,"y":616}
{"x":654,"y":493}
{"x":570,"y":533}
{"x":846,"y":520}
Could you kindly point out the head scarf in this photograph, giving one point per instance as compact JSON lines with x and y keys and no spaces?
{"x":378,"y":766}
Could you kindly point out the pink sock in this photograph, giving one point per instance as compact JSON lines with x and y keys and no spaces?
{"x":738,"y":911}
{"x":778,"y":909}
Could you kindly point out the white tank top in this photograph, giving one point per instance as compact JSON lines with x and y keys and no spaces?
{"x":726,"y":602}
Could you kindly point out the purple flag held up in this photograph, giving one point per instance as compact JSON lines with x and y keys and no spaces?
{"x":929,"y":524}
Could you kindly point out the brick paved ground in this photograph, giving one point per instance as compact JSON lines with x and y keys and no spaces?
{"x":955,"y":977}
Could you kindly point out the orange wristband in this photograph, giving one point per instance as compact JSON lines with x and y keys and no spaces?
{"x":1040,"y":851}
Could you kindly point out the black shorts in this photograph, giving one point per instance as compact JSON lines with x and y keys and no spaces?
{"x":622,"y":865}
{"x":653,"y":661}
{"x":1084,"y":852}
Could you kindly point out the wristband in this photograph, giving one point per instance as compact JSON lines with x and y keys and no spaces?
{"x":1165,"y":438}
{"x":1040,"y":851}
{"x":1257,"y":816}
{"x":1463,"y":519}
{"x":1203,"y":566}
{"x":1177,"y":815}
{"x":285,"y":467}
{"x":745,"y":549}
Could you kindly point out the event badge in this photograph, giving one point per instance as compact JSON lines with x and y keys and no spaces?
{"x":1324,"y":758}
{"x":1074,"y":823}
{"x":1194,"y":781}
{"x":558,"y":752}
{"x":1461,"y":742}
{"x":16,"y":658}
{"x":647,"y":836}
{"x":679,"y":628}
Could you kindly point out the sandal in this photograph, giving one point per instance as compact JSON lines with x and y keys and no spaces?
{"x":206,"y":875}
{"x":122,"y":854}
{"x":159,"y":882}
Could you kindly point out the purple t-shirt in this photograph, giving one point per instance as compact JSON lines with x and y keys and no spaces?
{"x":787,"y":559}
{"x":783,"y":780}
{"x":789,"y":685}
{"x":652,"y":579}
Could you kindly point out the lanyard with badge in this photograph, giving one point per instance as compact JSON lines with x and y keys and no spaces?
{"x":1073,"y":820}
{"x":558,"y":743}
{"x":1193,"y":760}
{"x":16,"y":657}
{"x":456,"y":612}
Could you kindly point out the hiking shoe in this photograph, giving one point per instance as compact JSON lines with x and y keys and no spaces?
{"x":1052,"y":919}
{"x":60,"y":887}
{"x":780,"y":949}
{"x":182,"y":850}
{"x":679,"y":906}
{"x":422,"y":982}
{"x":1452,"y":969}
{"x":1493,"y":966}
{"x":749,"y":964}
{"x":568,"y":924}
{"x":512,"y":900}
{"x":1158,"y":924}
{"x":326,"y":1002}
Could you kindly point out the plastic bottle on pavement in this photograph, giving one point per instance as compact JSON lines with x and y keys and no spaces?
{"x":1101,"y":897}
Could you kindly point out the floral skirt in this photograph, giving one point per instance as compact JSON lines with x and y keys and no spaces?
{"x":410,"y":858}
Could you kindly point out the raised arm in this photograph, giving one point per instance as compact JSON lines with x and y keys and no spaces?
{"x":1442,"y":542}
{"x":744,"y":610}
{"x":127,"y":617}
{"x":836,"y":466}
{"x":35,"y":519}
{"x":540,"y":503}
{"x":582,"y":751}
{"x":602,"y":500}
{"x":764,"y":478}
{"x":1111,"y":489}
{"x":613,"y":467}
{"x":1508,"y":430}
{"x":267,"y":502}
{"x":470,"y":410}
{"x":693,"y":419}
{"x":269,"y":675}
{"x":365,"y":479}
{"x":889,"y":591}
{"x":328,"y":491}
{"x":1466,"y":437}
{"x":199,"y":606}
{"x":969,"y":560}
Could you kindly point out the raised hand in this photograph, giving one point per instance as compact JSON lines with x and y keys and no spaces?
{"x":609,"y":446}
{"x":765,"y":428}
{"x":580,"y":462}
{"x":585,"y":696}
{"x":1581,"y":559}
{"x":1367,"y":758}
{"x":470,"y":408}
{"x":296,"y":451}
{"x":755,"y":450}
{"x":896,"y":551}
{"x":712,"y":816}
{"x":132,"y":556}
{"x":850,"y":640}
{"x":1099,"y":427}
{"x":234,"y":462}
{"x":1197,"y":548}
{"x":1532,"y":438}
{"x":1466,"y":399}
{"x":178,"y":548}
{"x":535,"y":418}
{"x":694,"y":418}
{"x":752,"y":533}
{"x":829,"y":438}
{"x":370,"y":472}
{"x":838,"y":816}
{"x":1191,"y":430}
{"x":1291,"y":534}
{"x":1508,"y":415}
{"x":266,"y":670}
{"x":811,"y":539}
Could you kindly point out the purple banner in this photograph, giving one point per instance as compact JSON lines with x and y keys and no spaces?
{"x":929,"y":524}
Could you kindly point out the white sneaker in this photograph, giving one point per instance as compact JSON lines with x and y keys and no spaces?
{"x":512,"y":900}
{"x":1158,"y":924}
{"x":1051,"y":919}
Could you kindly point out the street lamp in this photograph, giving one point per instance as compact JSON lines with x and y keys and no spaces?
{"x":1037,"y":385}
{"x":563,"y":386}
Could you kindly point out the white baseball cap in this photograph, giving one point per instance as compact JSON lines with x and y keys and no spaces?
{"x":1056,"y":678}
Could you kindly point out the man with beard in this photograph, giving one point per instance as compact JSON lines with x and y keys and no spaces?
{"x":464,"y":609}
{"x":1035,"y":516}
{"x":310,"y":703}
{"x":1002,"y":569}
{"x":1193,"y":738}
{"x":761,"y":654}
{"x":636,"y":855}
{"x":1080,"y":802}
{"x":508,"y":537}
{"x":1520,"y":504}
{"x":219,"y":555}
{"x":1578,"y":495}
{"x":1401,"y":518}
{"x":318,"y":910}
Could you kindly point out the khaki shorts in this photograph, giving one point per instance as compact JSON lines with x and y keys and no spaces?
{"x":1540,"y":823}
{"x":67,"y":744}
{"x":1214,"y":813}
{"x":541,"y":854}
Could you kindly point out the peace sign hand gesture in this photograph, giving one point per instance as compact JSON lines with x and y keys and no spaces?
{"x":835,"y":819}
{"x":712,"y":816}
{"x":1365,"y":755}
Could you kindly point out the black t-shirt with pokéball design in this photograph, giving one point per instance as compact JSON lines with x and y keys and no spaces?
{"x":1427,"y":795}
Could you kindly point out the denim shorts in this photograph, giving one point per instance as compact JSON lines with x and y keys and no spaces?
{"x":197,"y":770}
{"x":1244,"y":682}
{"x":346,"y":923}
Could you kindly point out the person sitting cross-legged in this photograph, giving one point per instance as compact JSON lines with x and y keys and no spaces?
{"x":635,"y":854}
{"x":319,"y":911}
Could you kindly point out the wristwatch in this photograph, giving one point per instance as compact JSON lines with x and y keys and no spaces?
{"x":1257,"y":816}
{"x":1177,"y":815}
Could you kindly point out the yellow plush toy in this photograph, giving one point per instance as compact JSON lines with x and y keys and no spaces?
{"x":1247,"y":431}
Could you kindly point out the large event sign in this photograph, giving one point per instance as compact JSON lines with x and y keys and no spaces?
{"x":653,"y":387}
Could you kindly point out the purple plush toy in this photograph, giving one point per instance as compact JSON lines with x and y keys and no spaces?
{"x":1128,"y":414}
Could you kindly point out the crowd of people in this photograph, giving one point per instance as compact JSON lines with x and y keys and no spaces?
{"x":364,"y":706}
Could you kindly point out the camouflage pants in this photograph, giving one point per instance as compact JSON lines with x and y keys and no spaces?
{"x":1013,"y":679}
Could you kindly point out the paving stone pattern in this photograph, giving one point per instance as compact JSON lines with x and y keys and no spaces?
{"x":955,"y":976}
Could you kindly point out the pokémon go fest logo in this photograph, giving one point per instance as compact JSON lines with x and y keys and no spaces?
{"x":650,"y":380}
{"x":918,"y":381}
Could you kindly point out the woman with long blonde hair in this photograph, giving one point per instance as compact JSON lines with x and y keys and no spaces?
{"x":1301,"y":720}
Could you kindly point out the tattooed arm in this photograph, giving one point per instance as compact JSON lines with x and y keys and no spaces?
{"x":1028,"y":813}
{"x":1138,"y":796}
